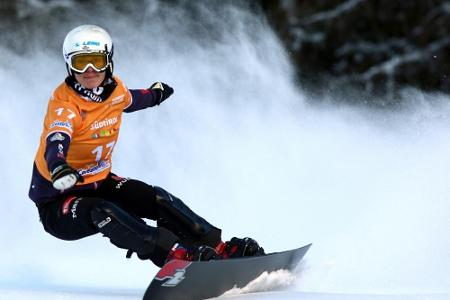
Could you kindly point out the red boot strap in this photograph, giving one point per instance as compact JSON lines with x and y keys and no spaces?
{"x":220,"y":248}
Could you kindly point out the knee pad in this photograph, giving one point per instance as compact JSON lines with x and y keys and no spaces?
{"x":129,"y":232}
{"x":180,"y":219}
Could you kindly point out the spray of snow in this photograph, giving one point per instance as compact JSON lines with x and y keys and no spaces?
{"x":277,"y":280}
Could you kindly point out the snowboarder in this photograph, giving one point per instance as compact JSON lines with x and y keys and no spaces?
{"x":72,"y":185}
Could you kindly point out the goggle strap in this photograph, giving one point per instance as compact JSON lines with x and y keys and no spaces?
{"x":90,"y":64}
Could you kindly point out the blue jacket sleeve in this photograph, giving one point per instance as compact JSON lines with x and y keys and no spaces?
{"x":141,"y":99}
{"x":56,"y":150}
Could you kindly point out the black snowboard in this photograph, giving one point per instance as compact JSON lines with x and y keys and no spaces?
{"x":183,"y":280}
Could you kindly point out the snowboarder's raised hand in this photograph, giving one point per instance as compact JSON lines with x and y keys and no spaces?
{"x":161,"y":90}
{"x":64,"y":177}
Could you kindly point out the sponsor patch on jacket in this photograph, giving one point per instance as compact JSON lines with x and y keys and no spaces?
{"x":103,"y":133}
{"x":57,"y":137}
{"x":61,"y":124}
{"x":106,"y":122}
{"x":99,"y":167}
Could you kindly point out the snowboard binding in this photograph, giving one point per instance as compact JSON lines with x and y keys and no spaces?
{"x":237,"y":247}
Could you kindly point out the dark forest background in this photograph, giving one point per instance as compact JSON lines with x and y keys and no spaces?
{"x":375,"y":46}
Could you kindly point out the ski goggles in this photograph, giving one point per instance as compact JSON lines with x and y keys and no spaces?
{"x":82,"y":61}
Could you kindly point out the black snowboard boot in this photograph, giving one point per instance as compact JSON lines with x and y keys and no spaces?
{"x":202,"y":253}
{"x":237,"y":247}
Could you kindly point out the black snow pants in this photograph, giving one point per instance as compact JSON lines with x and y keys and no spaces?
{"x":117,"y":209}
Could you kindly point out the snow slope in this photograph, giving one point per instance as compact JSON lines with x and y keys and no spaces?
{"x":246,"y":148}
{"x":38,"y":295}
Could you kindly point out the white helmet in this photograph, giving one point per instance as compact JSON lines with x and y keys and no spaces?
{"x":86,"y":39}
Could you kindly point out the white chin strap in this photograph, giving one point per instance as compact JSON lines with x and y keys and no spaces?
{"x":65,"y":182}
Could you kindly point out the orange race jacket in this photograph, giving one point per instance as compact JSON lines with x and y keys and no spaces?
{"x":83,"y":134}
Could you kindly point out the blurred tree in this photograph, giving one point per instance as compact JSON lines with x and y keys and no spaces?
{"x":379,"y":46}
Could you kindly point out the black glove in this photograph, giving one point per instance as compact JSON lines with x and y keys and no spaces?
{"x":161,"y":91}
{"x":64,"y":177}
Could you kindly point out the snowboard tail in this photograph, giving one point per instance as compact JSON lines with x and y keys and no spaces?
{"x":184,"y":280}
